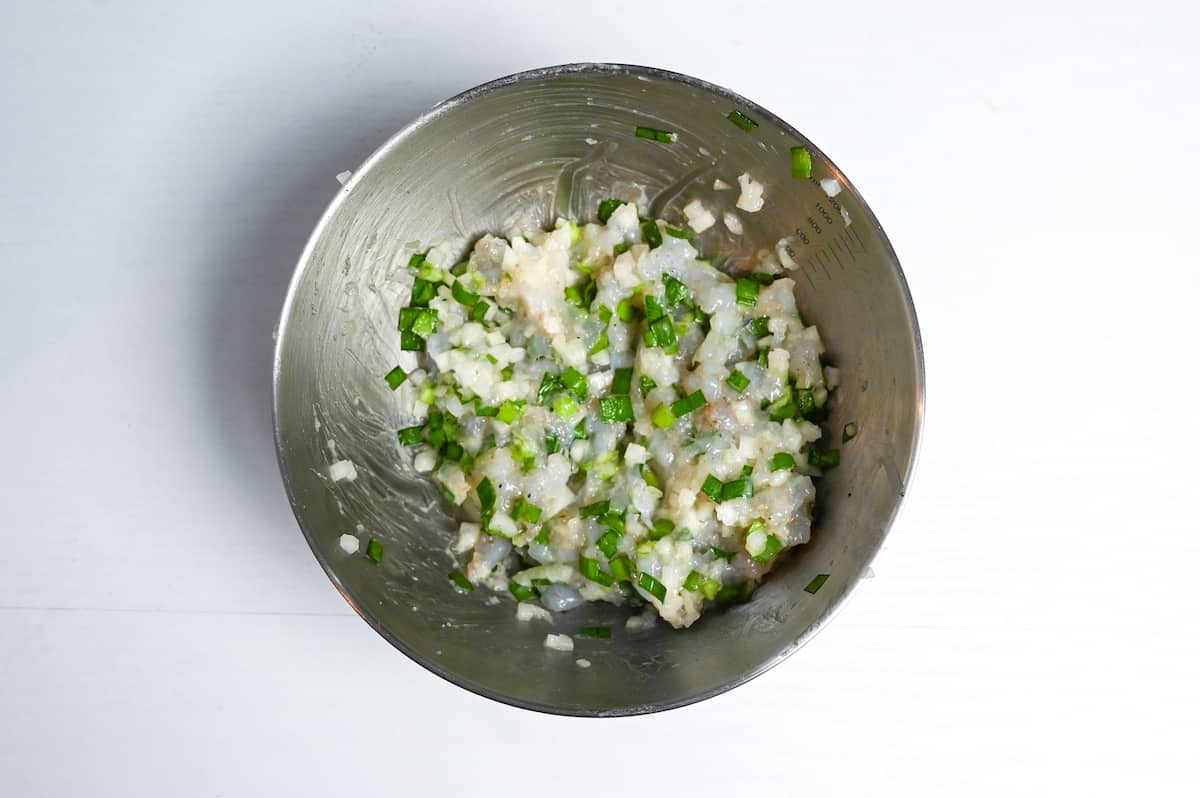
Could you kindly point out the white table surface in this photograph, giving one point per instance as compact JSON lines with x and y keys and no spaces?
{"x":1032,"y":629}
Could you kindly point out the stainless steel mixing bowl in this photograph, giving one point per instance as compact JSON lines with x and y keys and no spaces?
{"x":521,"y":150}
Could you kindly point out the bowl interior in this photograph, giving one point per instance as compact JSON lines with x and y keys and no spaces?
{"x":511,"y":155}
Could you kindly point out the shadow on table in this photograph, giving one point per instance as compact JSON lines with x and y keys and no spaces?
{"x":277,"y":193}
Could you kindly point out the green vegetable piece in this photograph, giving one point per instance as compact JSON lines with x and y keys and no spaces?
{"x":422,"y":292}
{"x":621,"y":567}
{"x":662,"y":417}
{"x":543,"y":536}
{"x":374,"y":551}
{"x":824,"y":458}
{"x":720,"y":554}
{"x":664,"y":332}
{"x":460,"y":582}
{"x":416,"y":260}
{"x":552,"y":444}
{"x":806,"y":404}
{"x":575,"y":382}
{"x":530,"y":513}
{"x":781,"y":461}
{"x":693,"y":581}
{"x":607,"y":543}
{"x":622,"y":380}
{"x":580,"y":432}
{"x":747,"y":292}
{"x":732,"y":594}
{"x":652,"y":586}
{"x":758,"y":327}
{"x":654,"y":310}
{"x":710,"y":588}
{"x":605,"y":314}
{"x":462,"y":295}
{"x":650,"y":477}
{"x":459,"y":269}
{"x":395,"y":378}
{"x":801,"y":163}
{"x":815,"y":584}
{"x":662,"y":527}
{"x":616,"y":409}
{"x":411,"y":342}
{"x":453,"y":452}
{"x":506,"y":373}
{"x":736,"y":489}
{"x":675,"y":291}
{"x":521,"y":592}
{"x":621,"y":248}
{"x":591,"y":571}
{"x":487,"y":494}
{"x":550,"y":384}
{"x":760,"y":278}
{"x":614,"y":521}
{"x":693,"y":401}
{"x":675,"y":232}
{"x":483,"y":411}
{"x":509,"y":411}
{"x":646,"y":384}
{"x":565,"y":406}
{"x":411,"y":435}
{"x":651,"y":234}
{"x":595,"y":510}
{"x":738,"y":381}
{"x":600,"y":345}
{"x":741,"y":120}
{"x":596,"y":632}
{"x":712,"y":488}
{"x":607,"y":208}
{"x":626,"y":311}
{"x":664,"y":136}
{"x":773,"y":546}
{"x":479,"y":311}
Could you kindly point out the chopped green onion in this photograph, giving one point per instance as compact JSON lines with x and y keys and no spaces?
{"x":436,"y":436}
{"x":521,"y":592}
{"x":596,"y":632}
{"x":710,"y":588}
{"x":815,"y":584}
{"x":626,"y":312}
{"x":607,"y":208}
{"x":782,"y":460}
{"x":651,"y":234}
{"x":459,"y":269}
{"x":736,"y":489}
{"x":479,"y":310}
{"x":416,"y":260}
{"x":487,"y":494}
{"x":431,"y":273}
{"x":454,"y":451}
{"x":824,"y":458}
{"x":528,"y":512}
{"x":605,"y":314}
{"x":460,"y":582}
{"x":693,"y":581}
{"x":506,"y":373}
{"x":575,"y":382}
{"x":758,"y":327}
{"x":646,"y":385}
{"x":580,"y":432}
{"x":484,"y":411}
{"x":622,"y":380}
{"x":676,"y":291}
{"x":762,"y":358}
{"x":614,"y":521}
{"x":731,"y":594}
{"x":550,"y":384}
{"x":652,"y":586}
{"x":801,"y":163}
{"x":720,"y":554}
{"x":565,"y":406}
{"x":411,"y":435}
{"x":621,"y":567}
{"x":614,"y":409}
{"x":552,"y":444}
{"x":464,"y":297}
{"x":595,"y":510}
{"x":509,"y":411}
{"x":650,"y":477}
{"x":747,"y":292}
{"x":422,"y":292}
{"x":543,"y":536}
{"x":446,"y":494}
{"x":785,"y":411}
{"x":742,"y":121}
{"x":772,"y":547}
{"x":747,"y":470}
{"x":607,"y":543}
{"x":760,"y":278}
{"x":738,"y":381}
{"x":662,"y":417}
{"x":849,"y":432}
{"x":712,"y":488}
{"x":653,"y":133}
{"x":675,"y":232}
{"x":664,"y":332}
{"x":374,"y":551}
{"x":491,"y":359}
{"x":662,"y":528}
{"x":573,"y":296}
{"x":654,"y":310}
{"x":591,"y":571}
{"x":693,"y":401}
{"x":395,"y":378}
{"x":621,"y":248}
{"x":600,"y":345}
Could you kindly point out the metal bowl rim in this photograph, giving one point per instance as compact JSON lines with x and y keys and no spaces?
{"x":384,"y":150}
